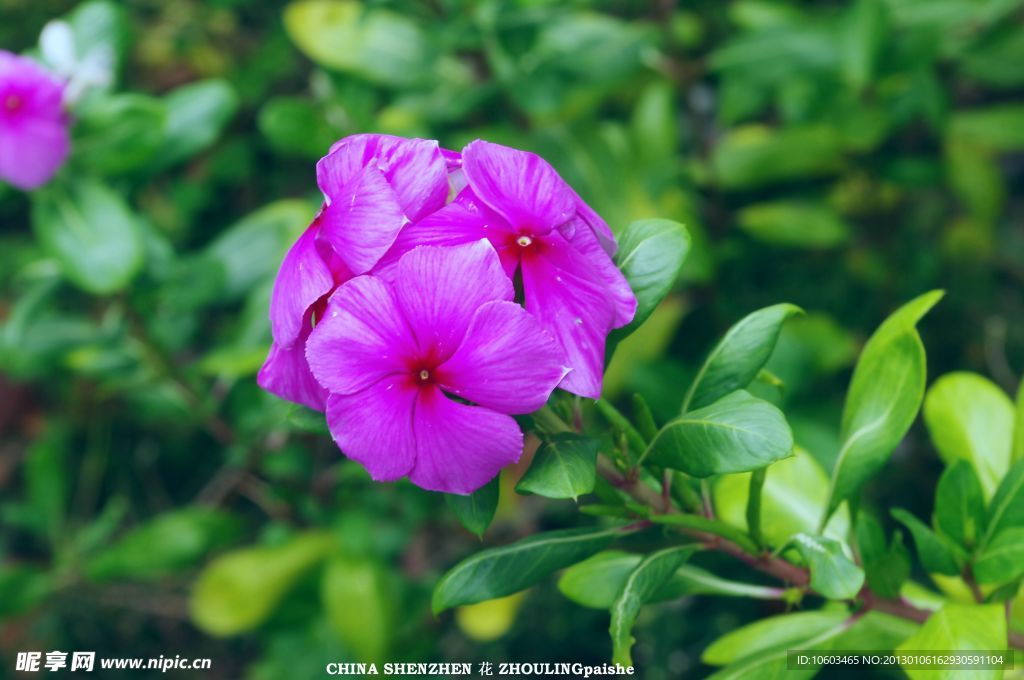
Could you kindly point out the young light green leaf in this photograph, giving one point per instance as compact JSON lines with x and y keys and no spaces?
{"x":970,"y":417}
{"x":238,"y":590}
{"x":784,"y":630}
{"x":737,"y":433}
{"x":999,"y":128}
{"x":596,"y":581}
{"x":651,"y":254}
{"x":792,"y":500}
{"x":772,"y":663}
{"x":963,"y":628}
{"x":359,"y":604}
{"x":92,"y":234}
{"x":196,"y":115}
{"x":565,"y":466}
{"x":1018,"y":426}
{"x":1007,"y":506}
{"x":476,"y":510}
{"x":641,"y":585}
{"x":707,"y":525}
{"x":833,"y":574}
{"x":794,"y":224}
{"x":1002,"y":560}
{"x":508,"y":569}
{"x":884,"y":397}
{"x":938,"y":555}
{"x":960,"y":504}
{"x":736,"y":359}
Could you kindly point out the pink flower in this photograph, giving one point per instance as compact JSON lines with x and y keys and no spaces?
{"x":543,"y":231}
{"x":425,"y":365}
{"x":34,"y":140}
{"x":373,"y":185}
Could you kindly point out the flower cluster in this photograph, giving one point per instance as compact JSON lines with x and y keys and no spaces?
{"x":34,"y":140}
{"x":422,"y":322}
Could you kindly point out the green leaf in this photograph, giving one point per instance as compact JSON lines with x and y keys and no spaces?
{"x":707,"y":525}
{"x":651,"y":255}
{"x":833,"y":574}
{"x":784,"y":630}
{"x":970,"y":417}
{"x":565,"y":466}
{"x":864,"y":33}
{"x":384,"y":47}
{"x":476,"y":510}
{"x":887,"y":566}
{"x":1007,"y":506}
{"x":641,"y":585}
{"x":167,"y":544}
{"x":960,"y":504}
{"x":596,"y":581}
{"x":1018,"y":426}
{"x":508,"y":569}
{"x":1002,"y":560}
{"x":773,"y":663}
{"x":359,"y":604}
{"x":295,"y":126}
{"x":794,"y":224}
{"x":999,"y":128}
{"x":884,"y":397}
{"x":938,"y":555}
{"x":737,"y":433}
{"x":737,"y":358}
{"x":91,"y":232}
{"x":118,"y":134}
{"x":752,"y":156}
{"x":792,"y":500}
{"x":238,"y":590}
{"x":47,"y":481}
{"x":960,"y":628}
{"x":196,"y":115}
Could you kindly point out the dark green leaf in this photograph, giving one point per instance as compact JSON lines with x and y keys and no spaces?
{"x":651,"y":255}
{"x":959,"y":504}
{"x":508,"y":569}
{"x":642,"y":584}
{"x":707,"y":525}
{"x":91,"y":233}
{"x":476,"y":510}
{"x":565,"y":466}
{"x":938,"y":555}
{"x":833,"y":574}
{"x":118,"y":134}
{"x":884,"y":397}
{"x":1007,"y":506}
{"x":738,"y":433}
{"x":864,"y":34}
{"x":737,"y":358}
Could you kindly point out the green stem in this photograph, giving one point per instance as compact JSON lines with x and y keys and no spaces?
{"x":754,"y":505}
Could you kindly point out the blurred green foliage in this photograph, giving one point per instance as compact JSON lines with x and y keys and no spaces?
{"x":842,"y":156}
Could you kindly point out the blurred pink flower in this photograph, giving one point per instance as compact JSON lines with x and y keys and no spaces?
{"x":424,"y":367}
{"x":34,"y":140}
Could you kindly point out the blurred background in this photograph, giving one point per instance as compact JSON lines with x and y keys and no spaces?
{"x":843,"y":156}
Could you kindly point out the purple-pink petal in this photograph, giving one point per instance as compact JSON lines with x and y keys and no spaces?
{"x":362,"y":338}
{"x":519,"y":185}
{"x":506,"y":362}
{"x":286,"y":374}
{"x":375,"y":427}
{"x":585,"y":258}
{"x":304,"y":278}
{"x":415,"y":168}
{"x":578,"y":313}
{"x":440,"y":289}
{"x":362,"y":220}
{"x":460,"y":448}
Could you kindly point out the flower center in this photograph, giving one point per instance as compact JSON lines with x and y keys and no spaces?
{"x":524,"y":241}
{"x":12,"y":103}
{"x":424,"y":375}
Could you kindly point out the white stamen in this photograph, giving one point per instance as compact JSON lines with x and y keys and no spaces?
{"x":524,"y":241}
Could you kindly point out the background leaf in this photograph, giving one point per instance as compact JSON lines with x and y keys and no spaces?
{"x":963,"y":628}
